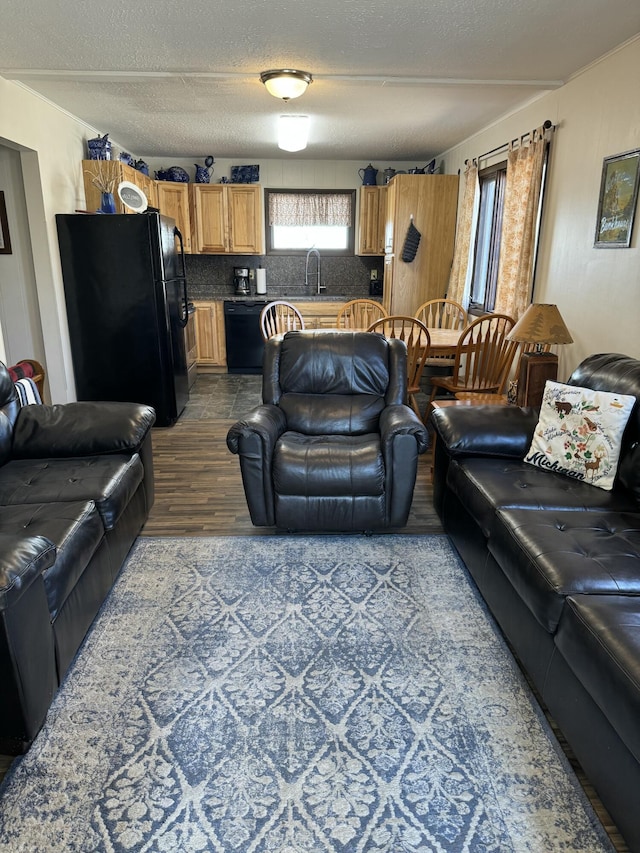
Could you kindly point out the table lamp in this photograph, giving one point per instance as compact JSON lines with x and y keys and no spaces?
{"x":541,"y":324}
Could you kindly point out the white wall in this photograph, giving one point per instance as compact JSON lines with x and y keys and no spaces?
{"x":597,"y":290}
{"x":51,"y":145}
{"x":20,"y":326}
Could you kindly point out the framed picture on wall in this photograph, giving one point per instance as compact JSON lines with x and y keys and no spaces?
{"x":618,"y":200}
{"x":5,"y":240}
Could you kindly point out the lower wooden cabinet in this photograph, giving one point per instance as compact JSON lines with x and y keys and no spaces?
{"x":319,"y":315}
{"x":211,"y":345}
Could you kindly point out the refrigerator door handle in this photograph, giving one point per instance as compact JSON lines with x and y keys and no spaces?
{"x":184,"y":319}
{"x":178,"y":234}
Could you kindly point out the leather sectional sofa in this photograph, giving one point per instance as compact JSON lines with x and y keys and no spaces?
{"x":76,"y":486}
{"x":557,"y":560}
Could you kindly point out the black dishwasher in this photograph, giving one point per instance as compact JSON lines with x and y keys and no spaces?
{"x":245,"y":346}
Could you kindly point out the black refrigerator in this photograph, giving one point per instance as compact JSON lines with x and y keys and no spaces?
{"x":126,"y":295}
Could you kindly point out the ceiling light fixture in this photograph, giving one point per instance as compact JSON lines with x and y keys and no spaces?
{"x":286,"y":83}
{"x":293,"y":132}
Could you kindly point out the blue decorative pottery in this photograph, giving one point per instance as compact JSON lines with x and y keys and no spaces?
{"x":173,"y":173}
{"x":177,"y":173}
{"x":99,"y":148}
{"x":141,"y":166}
{"x":126,"y":158}
{"x":203,"y":173}
{"x":107,"y":203}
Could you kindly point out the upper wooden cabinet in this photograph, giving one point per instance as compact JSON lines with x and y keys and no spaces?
{"x":115,"y":171}
{"x":227,"y":219}
{"x":373,"y":206}
{"x":173,"y":201}
{"x":431,"y":202}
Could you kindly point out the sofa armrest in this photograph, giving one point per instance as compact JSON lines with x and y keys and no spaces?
{"x":502,"y":431}
{"x":23,"y":559}
{"x":266,"y":421}
{"x":401,"y":420}
{"x":81,"y":429}
{"x":254,"y":439}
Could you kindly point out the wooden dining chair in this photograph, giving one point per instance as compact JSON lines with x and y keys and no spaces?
{"x":442,"y":314}
{"x":359,"y":314}
{"x":483,"y":358}
{"x":279,"y":316}
{"x":418,"y":342}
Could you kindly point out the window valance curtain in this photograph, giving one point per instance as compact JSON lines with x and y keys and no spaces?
{"x":310,"y":209}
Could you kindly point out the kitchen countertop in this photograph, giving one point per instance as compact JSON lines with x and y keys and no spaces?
{"x":288,"y":297}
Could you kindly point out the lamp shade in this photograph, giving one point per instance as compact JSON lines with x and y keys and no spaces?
{"x":286,"y":83}
{"x":541,"y":324}
{"x":293,"y":132}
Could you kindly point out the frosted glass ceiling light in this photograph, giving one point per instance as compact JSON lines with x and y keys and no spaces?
{"x":293,"y":132}
{"x":286,"y":83}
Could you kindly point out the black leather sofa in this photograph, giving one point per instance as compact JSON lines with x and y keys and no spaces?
{"x":333,"y":446}
{"x":558,"y":563}
{"x":76,"y":486}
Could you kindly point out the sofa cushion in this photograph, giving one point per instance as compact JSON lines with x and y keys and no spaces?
{"x":549,"y":555}
{"x":579,"y":433}
{"x":74,"y":528}
{"x":599,"y":638}
{"x":484,"y":485}
{"x":338,"y":466}
{"x":110,"y":481}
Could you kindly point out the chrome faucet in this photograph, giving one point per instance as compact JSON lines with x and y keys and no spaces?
{"x":319,"y":286}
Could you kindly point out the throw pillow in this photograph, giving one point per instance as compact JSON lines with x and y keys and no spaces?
{"x":579,"y":433}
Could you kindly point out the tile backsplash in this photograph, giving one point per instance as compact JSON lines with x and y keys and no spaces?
{"x":211,"y":276}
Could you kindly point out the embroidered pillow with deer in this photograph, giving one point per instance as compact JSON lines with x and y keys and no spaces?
{"x":579,"y":433}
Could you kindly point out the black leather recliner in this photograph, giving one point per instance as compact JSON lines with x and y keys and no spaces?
{"x":333,"y":447}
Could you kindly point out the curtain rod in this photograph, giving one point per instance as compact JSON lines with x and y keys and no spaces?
{"x":548,"y":125}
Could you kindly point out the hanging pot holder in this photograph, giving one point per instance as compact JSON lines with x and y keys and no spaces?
{"x":411,"y":242}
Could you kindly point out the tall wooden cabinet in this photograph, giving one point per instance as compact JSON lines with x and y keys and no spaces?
{"x":173,"y":201}
{"x":371,"y":229}
{"x":227,"y":219}
{"x":432,"y":201}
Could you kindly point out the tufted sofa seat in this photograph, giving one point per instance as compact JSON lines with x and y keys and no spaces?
{"x":558,"y":562}
{"x":76,"y":486}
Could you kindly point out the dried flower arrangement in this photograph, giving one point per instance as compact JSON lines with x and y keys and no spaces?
{"x":102,"y":176}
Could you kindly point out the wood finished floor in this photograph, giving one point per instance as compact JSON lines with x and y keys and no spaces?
{"x":199,"y":493}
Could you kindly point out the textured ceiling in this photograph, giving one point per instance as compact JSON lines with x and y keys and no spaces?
{"x":391,"y":81}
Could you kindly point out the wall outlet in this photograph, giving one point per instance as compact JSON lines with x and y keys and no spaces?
{"x":373,"y":275}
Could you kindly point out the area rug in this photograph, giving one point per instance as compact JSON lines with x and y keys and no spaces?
{"x":293,"y":694}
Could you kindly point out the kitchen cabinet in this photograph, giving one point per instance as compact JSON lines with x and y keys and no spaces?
{"x":432,"y":201}
{"x":371,"y":226}
{"x":319,"y":315}
{"x":117,"y":172}
{"x":227,"y":219}
{"x":173,"y":201}
{"x":211,"y":347}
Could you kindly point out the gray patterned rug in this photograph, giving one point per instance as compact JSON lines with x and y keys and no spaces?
{"x":294,"y":694}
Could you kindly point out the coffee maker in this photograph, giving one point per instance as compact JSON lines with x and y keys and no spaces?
{"x":241,"y":281}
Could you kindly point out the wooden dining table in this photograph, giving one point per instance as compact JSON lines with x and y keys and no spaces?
{"x":444,"y":341}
